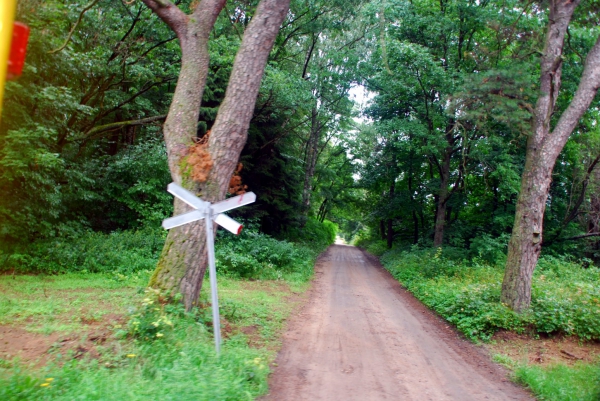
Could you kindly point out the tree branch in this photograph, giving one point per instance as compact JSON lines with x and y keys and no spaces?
{"x":85,"y":9}
{"x":130,"y":99}
{"x":172,"y":16}
{"x":546,"y":243}
{"x":586,"y":91}
{"x":120,"y":124}
{"x":571,"y":216}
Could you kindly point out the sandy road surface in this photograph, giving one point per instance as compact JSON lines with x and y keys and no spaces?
{"x":362,"y":337}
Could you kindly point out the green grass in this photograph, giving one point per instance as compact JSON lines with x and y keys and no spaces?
{"x":179,"y":364}
{"x":156,"y":351}
{"x":258,"y":305}
{"x":562,"y":383}
{"x":183,"y":366}
{"x":580,"y":382}
{"x":565,"y":299}
{"x":46,"y":304}
{"x":565,"y":296}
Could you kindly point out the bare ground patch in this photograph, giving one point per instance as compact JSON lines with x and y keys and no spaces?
{"x":38,"y":349}
{"x":544,"y":351}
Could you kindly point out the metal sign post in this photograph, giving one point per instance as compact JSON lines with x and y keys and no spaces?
{"x":210,"y":212}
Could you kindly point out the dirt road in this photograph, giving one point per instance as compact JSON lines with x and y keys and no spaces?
{"x":362,"y":337}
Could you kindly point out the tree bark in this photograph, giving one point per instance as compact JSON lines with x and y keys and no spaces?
{"x":543,"y":148}
{"x":390,"y":229}
{"x":193,"y":32}
{"x":442,"y":199}
{"x":594,"y":213}
{"x":310,"y":159}
{"x":412,"y":198}
{"x":183,"y":261}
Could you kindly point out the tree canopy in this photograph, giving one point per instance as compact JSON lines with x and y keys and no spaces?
{"x":431,"y":155}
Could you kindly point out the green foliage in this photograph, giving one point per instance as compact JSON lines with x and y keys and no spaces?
{"x":314,"y":234}
{"x":259,"y":256}
{"x":134,"y":180}
{"x":331,"y":229}
{"x":151,"y":320}
{"x":121,"y":252}
{"x":181,"y":365}
{"x":565,"y":296}
{"x":562,"y":383}
{"x":373,"y":246}
{"x":56,"y":168}
{"x":490,"y":249}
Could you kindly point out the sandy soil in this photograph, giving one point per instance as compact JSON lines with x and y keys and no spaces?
{"x":362,"y":337}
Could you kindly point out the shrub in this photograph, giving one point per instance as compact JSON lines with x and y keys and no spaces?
{"x":259,"y":256}
{"x":314,"y":233}
{"x":565,"y":296}
{"x":118,"y":252}
{"x":491,"y":249}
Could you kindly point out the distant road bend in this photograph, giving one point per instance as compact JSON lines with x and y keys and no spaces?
{"x":362,"y":337}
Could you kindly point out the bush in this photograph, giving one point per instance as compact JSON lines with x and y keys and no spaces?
{"x":565,"y":296}
{"x":366,"y":241}
{"x":259,"y":256}
{"x":118,"y":252}
{"x":314,"y":234}
{"x":250,"y":255}
{"x":491,"y":249}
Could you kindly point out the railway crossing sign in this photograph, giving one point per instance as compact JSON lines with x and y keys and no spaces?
{"x":210,"y":212}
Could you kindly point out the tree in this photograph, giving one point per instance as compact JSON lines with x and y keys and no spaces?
{"x":543,"y":147}
{"x":183,"y":262}
{"x":89,"y":91}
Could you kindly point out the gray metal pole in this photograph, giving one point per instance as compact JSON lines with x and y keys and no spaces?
{"x":212,"y":272}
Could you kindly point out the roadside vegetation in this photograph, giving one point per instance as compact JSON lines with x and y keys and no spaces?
{"x":111,"y":338}
{"x":465,"y":289}
{"x":405,"y":123}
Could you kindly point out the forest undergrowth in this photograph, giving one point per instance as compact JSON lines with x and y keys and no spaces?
{"x":466,"y":292}
{"x":149,"y":348}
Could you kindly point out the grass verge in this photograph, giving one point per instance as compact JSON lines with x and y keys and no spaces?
{"x":557,"y":382}
{"x":170,"y":355}
{"x":104,"y":336}
{"x":565,"y":302}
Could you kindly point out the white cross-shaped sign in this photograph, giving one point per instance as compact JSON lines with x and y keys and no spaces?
{"x":210,"y":212}
{"x":201,"y":207}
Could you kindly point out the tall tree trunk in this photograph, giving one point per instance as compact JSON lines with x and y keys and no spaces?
{"x":382,"y":229}
{"x":310,"y":159}
{"x":543,"y":148}
{"x":183,"y":261}
{"x":412,"y":198}
{"x":323,"y":210}
{"x":442,"y":200}
{"x":390,"y":229}
{"x":594,"y":213}
{"x":184,"y":246}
